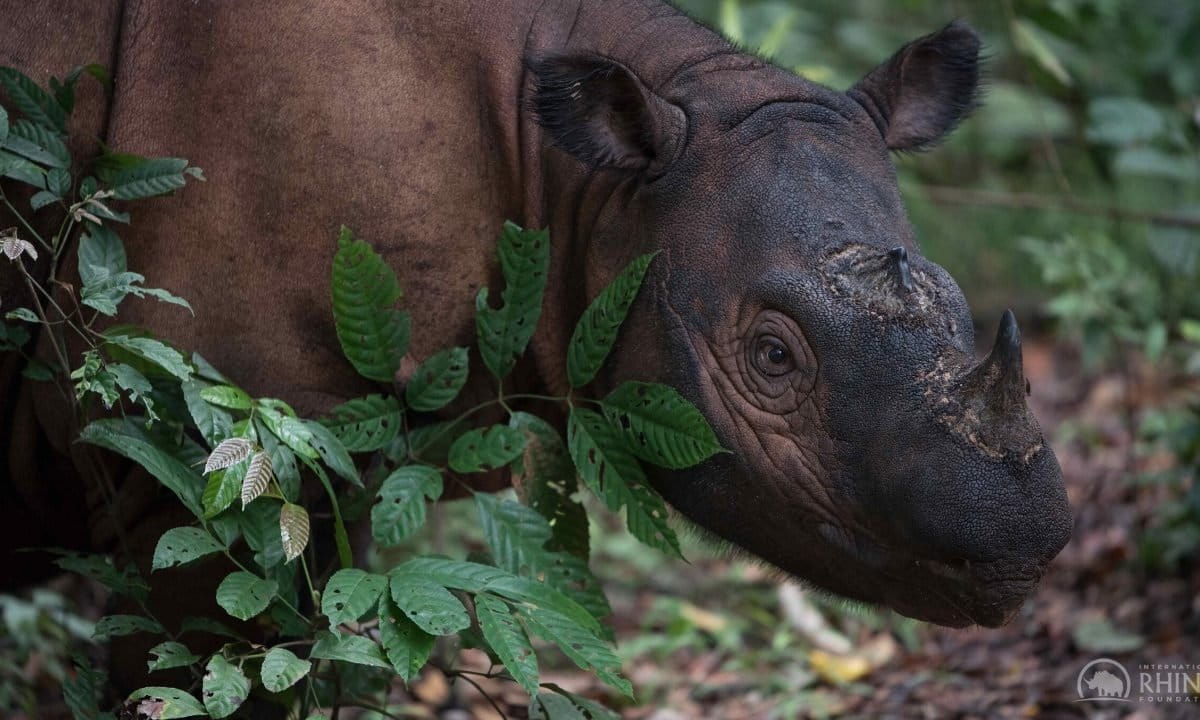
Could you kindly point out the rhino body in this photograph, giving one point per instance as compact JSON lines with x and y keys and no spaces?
{"x":871,"y":453}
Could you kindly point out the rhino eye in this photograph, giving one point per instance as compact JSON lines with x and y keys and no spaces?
{"x":773,"y":357}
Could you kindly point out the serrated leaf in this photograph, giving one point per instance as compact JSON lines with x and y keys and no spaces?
{"x":503,"y":334}
{"x":213,"y":423}
{"x":111,"y":626}
{"x":438,"y":380}
{"x":659,"y":425}
{"x":244,"y":595}
{"x":432,"y":607}
{"x":170,"y":655}
{"x":291,"y":431}
{"x":401,"y":509}
{"x":230,"y":452}
{"x":587,"y":650}
{"x":597,"y":329}
{"x":545,"y":479}
{"x":508,"y":639}
{"x":166,"y":703}
{"x":281,"y":669}
{"x":131,"y":442}
{"x":349,"y":594}
{"x":155,"y":352}
{"x":332,"y":452}
{"x":613,"y":474}
{"x":349,"y":648}
{"x":366,"y":424}
{"x":37,"y":143}
{"x":131,"y":177}
{"x":258,"y":477}
{"x":227,"y":396}
{"x":182,"y":545}
{"x":373,"y":334}
{"x":225,"y":687}
{"x":406,"y":646}
{"x":484,"y":449}
{"x":293,"y":530}
{"x":134,"y":384}
{"x":33,"y":102}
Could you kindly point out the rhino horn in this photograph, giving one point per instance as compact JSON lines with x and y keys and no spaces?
{"x":1000,"y":378}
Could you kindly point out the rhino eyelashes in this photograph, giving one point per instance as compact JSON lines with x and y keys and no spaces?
{"x":900,"y":269}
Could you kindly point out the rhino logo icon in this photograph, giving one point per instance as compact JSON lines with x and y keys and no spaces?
{"x":1103,"y":679}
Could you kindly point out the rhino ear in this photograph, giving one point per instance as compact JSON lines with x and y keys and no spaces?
{"x":600,"y":112}
{"x":920,"y":94}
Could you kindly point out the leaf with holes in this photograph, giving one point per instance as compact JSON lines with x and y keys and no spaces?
{"x":484,"y":449}
{"x":583,"y":647}
{"x":349,"y":594}
{"x":407,"y":646}
{"x":225,"y":687}
{"x":373,"y":334}
{"x":614,"y":475}
{"x":508,"y":639}
{"x":432,"y":607}
{"x":165,"y":703}
{"x":291,"y":431}
{"x":545,"y":479}
{"x":659,"y":425}
{"x":503,"y":334}
{"x":332,"y":452}
{"x":293,"y":530}
{"x":182,"y":545}
{"x":401,"y":508}
{"x":244,"y":595}
{"x":258,"y":477}
{"x":281,"y":669}
{"x":230,"y":452}
{"x":366,"y":424}
{"x":227,"y":396}
{"x":111,"y":626}
{"x":348,"y":648}
{"x":169,"y":655}
{"x":597,"y":329}
{"x":438,"y":380}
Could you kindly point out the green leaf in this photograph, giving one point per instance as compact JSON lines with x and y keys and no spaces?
{"x":349,"y":594}
{"x":134,"y":384}
{"x":373,"y":334}
{"x":111,"y":626}
{"x":165,"y":703}
{"x":597,"y":329}
{"x":22,"y":314}
{"x":366,"y":424}
{"x":281,"y":669}
{"x":227,"y":396}
{"x":432,"y":607}
{"x":3,"y":125}
{"x":33,"y":102}
{"x":41,"y":199}
{"x":516,"y":534}
{"x":438,"y":380}
{"x":283,"y":460}
{"x":37,"y":143}
{"x":213,"y":423}
{"x":293,"y":530}
{"x":181,"y":545}
{"x":225,"y":687}
{"x":503,"y":334}
{"x":127,"y":440}
{"x":155,"y":352}
{"x":545,"y":478}
{"x":21,"y":170}
{"x":659,"y":425}
{"x":81,"y":691}
{"x":244,"y":595}
{"x":562,"y":705}
{"x":508,"y":639}
{"x":170,"y":655}
{"x":222,"y":489}
{"x":101,"y":255}
{"x":484,"y":449}
{"x":100,"y":569}
{"x":1123,"y":121}
{"x":207,"y":625}
{"x":1034,"y":42}
{"x":407,"y":646}
{"x":58,"y":182}
{"x":614,"y":475}
{"x":291,"y":431}
{"x":401,"y":510}
{"x":348,"y":648}
{"x":332,"y":452}
{"x":131,"y":177}
{"x":1101,"y":636}
{"x":578,"y":643}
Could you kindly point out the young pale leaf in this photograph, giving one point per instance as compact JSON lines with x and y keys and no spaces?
{"x":125,"y":439}
{"x":508,"y":639}
{"x":597,"y":329}
{"x":407,"y":646}
{"x":438,"y":380}
{"x":258,"y":476}
{"x":659,"y":425}
{"x":484,"y":449}
{"x":373,"y":334}
{"x":545,"y":478}
{"x":222,"y":490}
{"x":131,"y":177}
{"x":401,"y":509}
{"x":348,"y":648}
{"x":578,"y":643}
{"x":244,"y":595}
{"x":227,"y":396}
{"x":229,"y":453}
{"x":290,"y":430}
{"x":349,"y":594}
{"x":166,"y":703}
{"x":169,"y":655}
{"x":562,"y":705}
{"x":39,"y":144}
{"x":111,"y":626}
{"x":293,"y":530}
{"x":332,"y":452}
{"x":281,"y":669}
{"x":432,"y":607}
{"x":213,"y":423}
{"x":366,"y":424}
{"x":614,"y":475}
{"x":504,"y":333}
{"x":182,"y":545}
{"x":33,"y":102}
{"x":225,"y":687}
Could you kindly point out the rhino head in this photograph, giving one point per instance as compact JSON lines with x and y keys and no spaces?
{"x":871,"y":453}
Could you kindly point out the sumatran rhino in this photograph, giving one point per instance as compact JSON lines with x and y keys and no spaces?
{"x":871,"y":454}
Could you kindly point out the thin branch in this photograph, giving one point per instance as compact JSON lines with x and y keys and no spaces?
{"x":472,"y":683}
{"x":1034,"y":201}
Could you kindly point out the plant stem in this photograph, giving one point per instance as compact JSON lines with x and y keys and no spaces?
{"x":28,"y":227}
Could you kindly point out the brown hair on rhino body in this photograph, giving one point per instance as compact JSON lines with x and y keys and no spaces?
{"x":871,"y":454}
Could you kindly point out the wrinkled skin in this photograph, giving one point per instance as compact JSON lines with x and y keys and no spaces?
{"x":870,"y":453}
